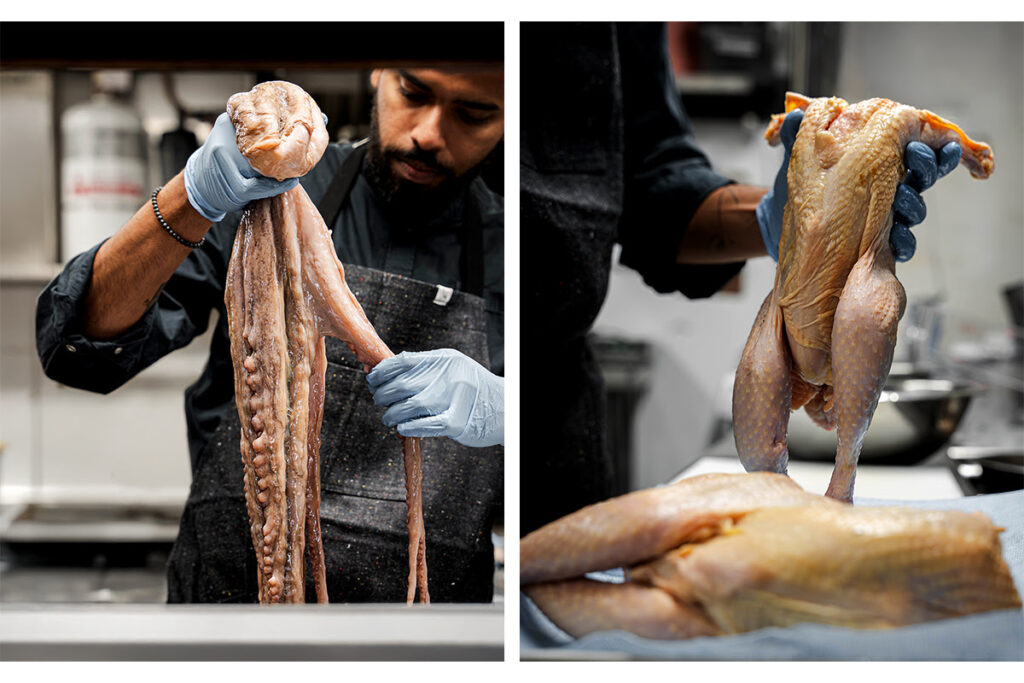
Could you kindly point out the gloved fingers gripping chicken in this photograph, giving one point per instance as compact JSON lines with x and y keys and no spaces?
{"x":286,"y":290}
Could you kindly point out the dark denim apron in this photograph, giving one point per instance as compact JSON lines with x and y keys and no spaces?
{"x":571,"y":194}
{"x":362,"y":478}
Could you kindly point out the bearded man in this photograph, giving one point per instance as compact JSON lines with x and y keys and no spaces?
{"x":421,"y":238}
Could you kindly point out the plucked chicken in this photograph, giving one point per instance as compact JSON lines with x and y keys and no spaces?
{"x":727,"y":553}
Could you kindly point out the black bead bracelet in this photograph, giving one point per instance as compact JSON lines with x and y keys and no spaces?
{"x":169,"y":229}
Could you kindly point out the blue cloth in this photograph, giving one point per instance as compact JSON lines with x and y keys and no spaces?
{"x":992,"y":636}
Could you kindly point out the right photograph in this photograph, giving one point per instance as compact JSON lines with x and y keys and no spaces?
{"x":772,"y":385}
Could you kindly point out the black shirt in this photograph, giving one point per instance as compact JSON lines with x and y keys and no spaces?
{"x":364,"y":234}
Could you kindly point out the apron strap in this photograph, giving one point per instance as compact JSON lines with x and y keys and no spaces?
{"x":471,"y":262}
{"x":337,"y":191}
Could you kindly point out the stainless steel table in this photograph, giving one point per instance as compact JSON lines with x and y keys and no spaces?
{"x":251,"y":632}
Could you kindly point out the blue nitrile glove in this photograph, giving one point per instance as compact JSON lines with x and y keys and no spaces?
{"x":771,"y":207}
{"x":218,"y":178}
{"x":924,"y":167}
{"x":441,"y":393}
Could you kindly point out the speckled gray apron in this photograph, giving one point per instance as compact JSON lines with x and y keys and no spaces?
{"x":361,"y":475}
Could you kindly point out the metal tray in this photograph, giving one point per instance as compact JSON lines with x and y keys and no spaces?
{"x":987,"y":469}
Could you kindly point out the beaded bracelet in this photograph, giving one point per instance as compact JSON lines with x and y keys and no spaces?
{"x":170,"y":231}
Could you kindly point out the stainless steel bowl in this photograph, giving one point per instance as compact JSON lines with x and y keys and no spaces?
{"x":915,"y":417}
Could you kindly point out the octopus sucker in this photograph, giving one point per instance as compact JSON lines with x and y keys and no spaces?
{"x":285,"y":292}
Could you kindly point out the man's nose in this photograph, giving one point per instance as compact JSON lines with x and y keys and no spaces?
{"x":428,"y":132}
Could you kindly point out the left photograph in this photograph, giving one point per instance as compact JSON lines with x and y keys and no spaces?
{"x":306,"y":244}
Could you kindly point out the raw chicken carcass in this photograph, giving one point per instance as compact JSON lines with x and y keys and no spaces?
{"x":825,"y":335}
{"x":286,"y":290}
{"x":727,"y":553}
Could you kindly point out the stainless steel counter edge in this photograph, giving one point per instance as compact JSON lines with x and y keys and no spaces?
{"x":246,"y":632}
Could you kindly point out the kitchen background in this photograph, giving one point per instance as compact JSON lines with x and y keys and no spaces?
{"x":107,"y":473}
{"x":669,"y":361}
{"x":97,"y":482}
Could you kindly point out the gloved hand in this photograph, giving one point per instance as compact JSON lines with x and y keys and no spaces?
{"x":218,"y":178}
{"x":441,"y":393}
{"x":924,"y":167}
{"x":772,"y":206}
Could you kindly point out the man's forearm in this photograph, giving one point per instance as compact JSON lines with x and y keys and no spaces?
{"x":132,"y":266}
{"x":724,"y":228}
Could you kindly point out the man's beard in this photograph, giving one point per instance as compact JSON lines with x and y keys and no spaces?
{"x":403,"y":197}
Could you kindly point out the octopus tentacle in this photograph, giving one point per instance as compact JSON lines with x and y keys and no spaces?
{"x":414,"y":520}
{"x":286,"y":290}
{"x":314,"y":540}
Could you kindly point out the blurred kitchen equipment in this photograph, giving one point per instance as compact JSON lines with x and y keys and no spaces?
{"x":922,"y":329}
{"x":625,"y":366}
{"x":103,"y":166}
{"x":987,"y":469}
{"x":732,"y":69}
{"x":93,"y":524}
{"x":727,"y":69}
{"x":176,"y":146}
{"x":915,"y":417}
{"x":1013,"y":295}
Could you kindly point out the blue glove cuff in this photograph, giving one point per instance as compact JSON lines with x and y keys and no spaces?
{"x":194,"y":197}
{"x":486,"y":424}
{"x":763,"y":213}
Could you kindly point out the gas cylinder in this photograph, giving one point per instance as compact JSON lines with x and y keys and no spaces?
{"x":103,"y":165}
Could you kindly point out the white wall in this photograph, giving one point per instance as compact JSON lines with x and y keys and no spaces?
{"x":971,"y":244}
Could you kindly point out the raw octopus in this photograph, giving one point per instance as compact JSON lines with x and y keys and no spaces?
{"x":286,"y":290}
{"x":727,"y":553}
{"x":825,"y":335}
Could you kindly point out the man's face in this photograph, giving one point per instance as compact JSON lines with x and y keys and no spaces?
{"x":433,"y":128}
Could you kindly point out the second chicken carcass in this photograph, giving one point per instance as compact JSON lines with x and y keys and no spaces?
{"x":825,"y":335}
{"x":728,"y":553}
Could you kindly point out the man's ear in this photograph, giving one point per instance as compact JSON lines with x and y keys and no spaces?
{"x":375,"y":78}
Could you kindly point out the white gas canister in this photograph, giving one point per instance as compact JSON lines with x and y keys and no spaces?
{"x":103,"y":170}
